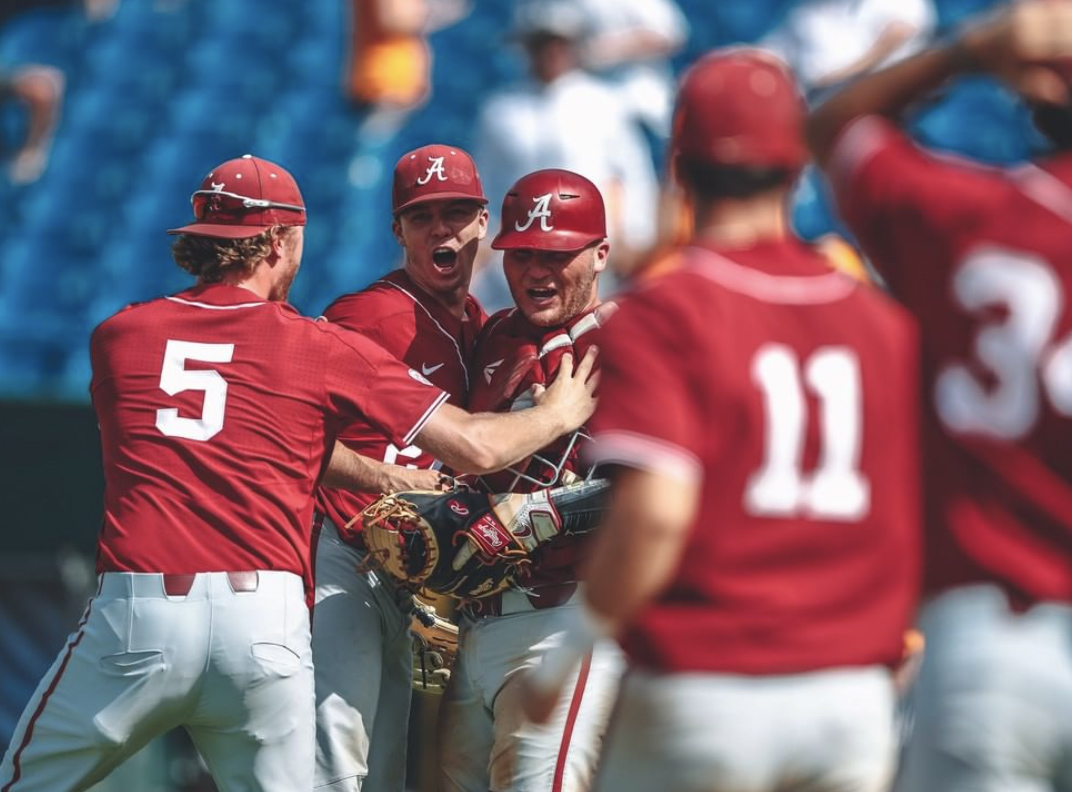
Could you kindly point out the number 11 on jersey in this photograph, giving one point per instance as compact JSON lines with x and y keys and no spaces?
{"x":836,"y":489}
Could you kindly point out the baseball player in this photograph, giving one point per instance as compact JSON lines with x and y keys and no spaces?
{"x":555,"y":246}
{"x":423,"y":315}
{"x":760,"y":555}
{"x":216,"y":407}
{"x":981,"y":256}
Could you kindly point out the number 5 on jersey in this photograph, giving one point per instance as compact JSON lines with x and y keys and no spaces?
{"x":176,"y":378}
{"x":836,"y":489}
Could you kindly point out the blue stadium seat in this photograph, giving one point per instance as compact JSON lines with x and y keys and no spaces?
{"x":49,"y":36}
{"x":235,"y":67}
{"x":100,"y":125}
{"x":136,"y":265}
{"x":310,"y":63}
{"x":138,"y":71}
{"x":278,"y":26}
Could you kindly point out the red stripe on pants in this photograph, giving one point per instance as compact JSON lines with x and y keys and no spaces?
{"x":571,"y":721}
{"x":44,"y":701}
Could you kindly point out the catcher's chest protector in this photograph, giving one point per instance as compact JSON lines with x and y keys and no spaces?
{"x":512,"y":356}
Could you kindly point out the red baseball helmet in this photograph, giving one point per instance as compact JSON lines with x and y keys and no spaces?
{"x":740,"y":107}
{"x":552,"y":210}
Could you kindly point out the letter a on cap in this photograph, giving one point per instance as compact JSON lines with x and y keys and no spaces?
{"x":435,"y":169}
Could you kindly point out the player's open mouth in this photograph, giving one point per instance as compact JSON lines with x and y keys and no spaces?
{"x":541,"y":296}
{"x":444,"y":259}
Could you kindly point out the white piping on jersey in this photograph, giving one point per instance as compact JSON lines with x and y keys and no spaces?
{"x":453,"y":340}
{"x":1044,"y":189}
{"x":196,"y":304}
{"x":645,"y":452}
{"x":412,"y":433}
{"x":589,"y":322}
{"x":778,"y":289}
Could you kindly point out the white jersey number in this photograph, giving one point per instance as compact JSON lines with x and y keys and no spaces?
{"x":836,"y":489}
{"x":175,"y":378}
{"x":1016,"y":348}
{"x":394,"y":453}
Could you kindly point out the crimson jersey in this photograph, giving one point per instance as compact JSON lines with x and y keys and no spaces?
{"x":216,"y":410}
{"x":512,"y":356}
{"x":788,"y":393}
{"x":420,"y":332}
{"x":982,"y":258}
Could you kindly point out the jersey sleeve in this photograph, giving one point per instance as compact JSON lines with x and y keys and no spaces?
{"x":372,"y":314}
{"x":649,"y":416}
{"x":364,"y":380}
{"x":884,"y":183}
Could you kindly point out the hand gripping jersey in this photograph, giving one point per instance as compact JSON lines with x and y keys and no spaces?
{"x":512,"y":356}
{"x":216,"y":410}
{"x":981,"y":256}
{"x":790,"y":399}
{"x":417,"y":330}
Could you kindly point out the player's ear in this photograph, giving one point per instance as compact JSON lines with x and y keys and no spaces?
{"x":483,"y":218}
{"x":599,"y":256}
{"x":396,"y":229}
{"x":278,"y":237}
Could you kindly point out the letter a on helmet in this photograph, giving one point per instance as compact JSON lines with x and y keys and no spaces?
{"x":552,"y":210}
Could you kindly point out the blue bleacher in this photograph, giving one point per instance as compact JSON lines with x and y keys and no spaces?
{"x":168,"y":88}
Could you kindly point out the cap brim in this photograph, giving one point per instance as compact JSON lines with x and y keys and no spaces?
{"x":566,"y":242}
{"x":220,"y":231}
{"x":443,"y":196}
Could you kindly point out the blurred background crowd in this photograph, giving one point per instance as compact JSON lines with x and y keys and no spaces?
{"x":112,"y":110}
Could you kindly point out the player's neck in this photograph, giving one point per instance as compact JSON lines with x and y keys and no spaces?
{"x":452,"y":301}
{"x":742,"y":223}
{"x":261,"y":281}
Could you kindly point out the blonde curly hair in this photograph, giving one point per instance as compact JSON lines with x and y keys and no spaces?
{"x":211,"y":259}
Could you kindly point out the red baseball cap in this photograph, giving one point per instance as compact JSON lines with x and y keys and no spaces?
{"x":244,"y":197}
{"x":552,"y":209}
{"x":433,"y":173}
{"x":740,"y":107}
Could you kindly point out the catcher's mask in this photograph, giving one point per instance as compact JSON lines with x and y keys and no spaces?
{"x":543,"y":470}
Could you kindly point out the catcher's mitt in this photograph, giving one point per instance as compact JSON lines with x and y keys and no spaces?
{"x":470,"y":545}
{"x":435,"y":646}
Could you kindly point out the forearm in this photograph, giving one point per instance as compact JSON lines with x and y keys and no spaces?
{"x":640,"y":543}
{"x":40,"y":88}
{"x":893,"y":36}
{"x":633,"y":45}
{"x":486,"y":442}
{"x":887,"y":92}
{"x":353,"y":471}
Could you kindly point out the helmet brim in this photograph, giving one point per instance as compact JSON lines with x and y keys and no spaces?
{"x":563,"y":241}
